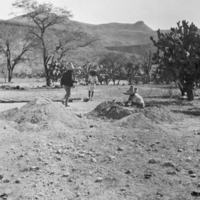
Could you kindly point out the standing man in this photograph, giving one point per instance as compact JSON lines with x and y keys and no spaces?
{"x":92,"y":79}
{"x":67,"y":81}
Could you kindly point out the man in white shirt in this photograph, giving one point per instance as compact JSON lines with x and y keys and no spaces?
{"x":134,"y":98}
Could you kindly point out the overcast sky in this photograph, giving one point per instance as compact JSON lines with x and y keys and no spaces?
{"x":156,"y":14}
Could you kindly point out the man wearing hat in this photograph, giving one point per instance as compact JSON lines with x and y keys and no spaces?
{"x":134,"y":98}
{"x":67,"y":81}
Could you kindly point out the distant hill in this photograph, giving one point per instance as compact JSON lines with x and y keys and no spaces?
{"x":128,"y":38}
{"x":112,"y":34}
{"x":119,"y":34}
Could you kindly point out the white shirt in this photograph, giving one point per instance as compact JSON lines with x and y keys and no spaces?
{"x":92,"y":79}
{"x":137,"y":98}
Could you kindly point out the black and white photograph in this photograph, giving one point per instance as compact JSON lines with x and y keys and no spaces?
{"x":100,"y":100}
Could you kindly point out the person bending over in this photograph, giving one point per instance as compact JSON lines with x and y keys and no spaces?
{"x":134,"y":98}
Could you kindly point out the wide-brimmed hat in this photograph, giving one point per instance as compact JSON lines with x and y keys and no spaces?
{"x":131,"y":91}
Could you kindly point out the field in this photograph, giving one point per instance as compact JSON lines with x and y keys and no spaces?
{"x":95,"y":151}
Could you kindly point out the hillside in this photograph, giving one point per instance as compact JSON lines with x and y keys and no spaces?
{"x":112,"y":34}
{"x":128,"y":38}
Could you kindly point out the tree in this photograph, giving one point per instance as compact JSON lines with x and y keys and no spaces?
{"x":146,"y":66}
{"x":56,"y":36}
{"x":178,"y":52}
{"x":45,"y":17}
{"x":15,"y":44}
{"x":131,"y":70}
{"x":112,"y":65}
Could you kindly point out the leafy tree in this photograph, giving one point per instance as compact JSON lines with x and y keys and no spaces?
{"x":131,"y":70}
{"x":178,"y":51}
{"x":15,"y":44}
{"x":112,"y":65}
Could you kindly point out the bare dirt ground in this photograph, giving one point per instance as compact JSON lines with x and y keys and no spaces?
{"x":50,"y":152}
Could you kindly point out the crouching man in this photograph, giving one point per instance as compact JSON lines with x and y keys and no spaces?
{"x":134,"y":98}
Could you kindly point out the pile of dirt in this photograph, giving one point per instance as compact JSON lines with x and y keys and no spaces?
{"x":137,"y":120}
{"x":110,"y":110}
{"x":116,"y":110}
{"x":43,"y":110}
{"x":160,"y":114}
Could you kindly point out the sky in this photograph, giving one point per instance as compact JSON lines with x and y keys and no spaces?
{"x":157,"y":14}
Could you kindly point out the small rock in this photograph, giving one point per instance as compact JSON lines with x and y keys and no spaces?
{"x":171,"y":172}
{"x":111,"y":157}
{"x":99,"y":179}
{"x":119,"y":149}
{"x":81,"y":155}
{"x":191,"y":172}
{"x":135,"y":140}
{"x":18,"y":181}
{"x":34,"y":168}
{"x":188,"y":159}
{"x":1,"y":176}
{"x":66,"y":174}
{"x":93,"y":160}
{"x":6,"y":181}
{"x":180,"y":150}
{"x":168,"y":164}
{"x":58,"y":158}
{"x":152,"y":161}
{"x":193,"y":175}
{"x":59,"y":151}
{"x":128,"y":171}
{"x":178,"y":169}
{"x":147,"y":176}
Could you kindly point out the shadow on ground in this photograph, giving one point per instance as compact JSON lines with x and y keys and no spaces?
{"x":167,"y":102}
{"x":192,"y":111}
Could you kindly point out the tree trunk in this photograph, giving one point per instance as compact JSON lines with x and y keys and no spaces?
{"x":190,"y":94}
{"x":9,"y":75}
{"x":48,"y":81}
{"x":130,"y":81}
{"x":182,"y":89}
{"x":47,"y":74}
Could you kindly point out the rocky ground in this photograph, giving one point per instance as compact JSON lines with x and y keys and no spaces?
{"x":99,"y":150}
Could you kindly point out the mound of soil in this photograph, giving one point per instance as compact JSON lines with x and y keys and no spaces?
{"x":137,"y":120}
{"x":110,"y":110}
{"x":115,"y":110}
{"x":43,"y":110}
{"x":160,"y":114}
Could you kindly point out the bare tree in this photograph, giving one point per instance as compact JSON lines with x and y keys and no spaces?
{"x":15,"y":43}
{"x":56,"y":36}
